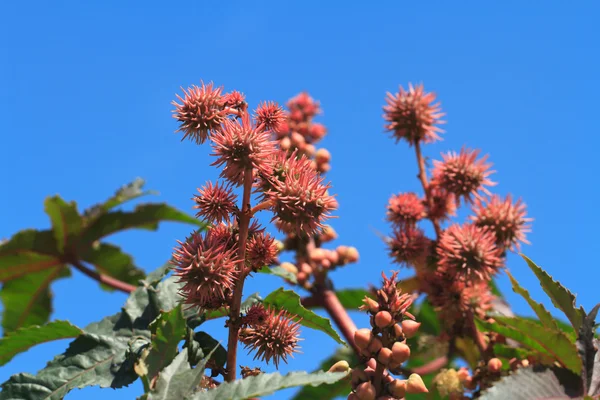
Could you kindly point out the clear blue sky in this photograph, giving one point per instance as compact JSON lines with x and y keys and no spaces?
{"x":85,"y":89}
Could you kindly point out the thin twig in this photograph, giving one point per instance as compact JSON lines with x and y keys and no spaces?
{"x":426,"y":187}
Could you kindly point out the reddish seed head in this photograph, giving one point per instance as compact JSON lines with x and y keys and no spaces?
{"x":411,"y":116}
{"x":408,"y":244}
{"x":405,"y":209}
{"x":240,"y":146}
{"x":201,"y":111}
{"x":234,"y":99}
{"x":303,"y":107}
{"x":269,"y":116}
{"x":208,"y":270}
{"x":256,"y":315}
{"x":215,"y":203}
{"x":468,"y":252}
{"x":507,"y":219}
{"x":443,"y":203}
{"x":261,"y":250}
{"x":317,"y":131}
{"x":463,"y":174}
{"x":275,"y":339}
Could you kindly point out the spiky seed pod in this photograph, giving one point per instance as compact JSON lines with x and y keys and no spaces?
{"x":240,"y":146}
{"x":234,"y":99}
{"x":412,"y":116}
{"x":443,"y":203}
{"x":200,"y":112}
{"x":507,"y":219}
{"x":261,"y":250}
{"x":269,"y":116}
{"x":408,"y":244}
{"x":405,"y":209}
{"x":255,"y":315}
{"x":273,"y":340}
{"x":463,"y":174}
{"x":303,"y":107}
{"x":215,"y":203}
{"x":208,"y":270}
{"x":467,"y":252}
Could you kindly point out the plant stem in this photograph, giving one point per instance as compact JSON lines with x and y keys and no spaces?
{"x":236,"y":302}
{"x":426,"y":186}
{"x":262,"y":206}
{"x":339,"y":315}
{"x":105,"y":279}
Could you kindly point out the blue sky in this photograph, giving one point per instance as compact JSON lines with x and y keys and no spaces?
{"x":85,"y":107}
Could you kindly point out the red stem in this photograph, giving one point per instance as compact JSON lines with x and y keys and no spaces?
{"x":339,"y":315}
{"x":262,"y":206}
{"x":236,"y":302}
{"x":426,"y":186}
{"x":105,"y":279}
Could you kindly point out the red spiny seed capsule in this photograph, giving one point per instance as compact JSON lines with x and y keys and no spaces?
{"x":275,"y":339}
{"x":412,"y":116}
{"x":507,"y":219}
{"x":215,"y":203}
{"x":234,"y":99}
{"x":400,"y":352}
{"x":408,"y":244}
{"x":383,"y":319}
{"x":363,"y":338}
{"x":384,"y":356}
{"x":201,"y":111}
{"x":410,"y":328}
{"x":397,"y":388}
{"x":255,"y":315}
{"x":443,"y":203}
{"x":317,"y":131}
{"x":240,"y":146}
{"x":469,"y":253}
{"x":415,"y":384}
{"x":366,"y":391}
{"x":375,"y":345}
{"x":207,"y":269}
{"x":494,"y":365}
{"x":405,"y":209}
{"x":269,"y":116}
{"x":261,"y":250}
{"x":463,"y":174}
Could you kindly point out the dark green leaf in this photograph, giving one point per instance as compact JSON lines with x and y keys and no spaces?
{"x":351,"y":299}
{"x":125,"y":193}
{"x":409,"y":285}
{"x":146,"y":216}
{"x":535,"y":384}
{"x":266,"y":384}
{"x":27,"y":252}
{"x":502,"y":350}
{"x":25,"y":338}
{"x":290,"y":301}
{"x":167,"y":331}
{"x":112,"y":261}
{"x":544,"y":315}
{"x":65,"y":219}
{"x":339,"y":388}
{"x":203,"y":343}
{"x":28,"y":299}
{"x":428,"y":318}
{"x":158,"y":274}
{"x":278,"y":271}
{"x":561,"y":297}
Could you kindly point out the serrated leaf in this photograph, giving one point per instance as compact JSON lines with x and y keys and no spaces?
{"x":544,"y":315}
{"x":98,"y":357}
{"x":278,"y":271}
{"x":535,"y":384}
{"x":112,"y":261}
{"x":65,"y":219}
{"x":339,"y":388}
{"x":28,"y":252}
{"x":28,"y":299}
{"x":25,"y":338}
{"x":554,"y":343}
{"x":146,"y":216}
{"x":561,"y":297}
{"x":125,"y":193}
{"x":158,"y":274}
{"x":290,"y":301}
{"x":508,"y":352}
{"x":266,"y":384}
{"x":167,"y":331}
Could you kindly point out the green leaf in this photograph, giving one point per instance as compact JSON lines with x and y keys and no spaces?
{"x":554,"y":343}
{"x":167,"y":331}
{"x":408,"y":285}
{"x":127,"y":192}
{"x":351,"y":299}
{"x":290,"y":301}
{"x":204,"y":344}
{"x":502,"y":350}
{"x":158,"y":274}
{"x":535,"y":384}
{"x":278,"y":271}
{"x":28,"y":252}
{"x":112,"y":261}
{"x":266,"y":384}
{"x":146,"y":216}
{"x":495,"y":289}
{"x":24,"y":338}
{"x":561,"y":297}
{"x":428,"y":318}
{"x":28,"y":299}
{"x":100,"y":356}
{"x":339,"y":388}
{"x":66,"y":221}
{"x":544,"y":315}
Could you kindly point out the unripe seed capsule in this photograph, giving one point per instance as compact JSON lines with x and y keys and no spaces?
{"x":410,"y":328}
{"x":397,"y":388}
{"x":352,"y":255}
{"x":373,"y":305}
{"x":353,"y":396}
{"x":494,"y":365}
{"x":398,"y":331}
{"x":322,"y":156}
{"x":306,"y":268}
{"x":383,"y":319}
{"x":358,"y":376}
{"x":363,"y":338}
{"x":340,"y":366}
{"x":309,"y":149}
{"x":366,"y":391}
{"x":415,"y":384}
{"x":285,"y":143}
{"x":375,"y":345}
{"x":400,"y":352}
{"x":384,"y":356}
{"x":463,"y":374}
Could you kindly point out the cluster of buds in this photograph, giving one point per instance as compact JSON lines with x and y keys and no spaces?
{"x":456,"y":266}
{"x":384,"y":346}
{"x":300,"y":133}
{"x":453,"y":384}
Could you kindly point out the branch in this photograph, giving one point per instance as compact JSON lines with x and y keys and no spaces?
{"x":338,"y":314}
{"x":105,"y":279}
{"x":426,"y":186}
